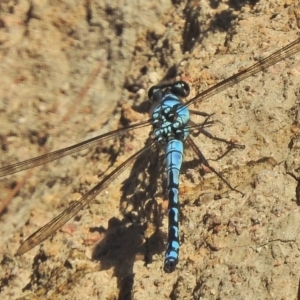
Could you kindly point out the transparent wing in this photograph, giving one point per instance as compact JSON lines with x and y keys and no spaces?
{"x":262,"y":65}
{"x":48,"y":229}
{"x":45,"y":158}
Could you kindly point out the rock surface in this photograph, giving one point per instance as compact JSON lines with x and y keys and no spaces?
{"x":71,"y":70}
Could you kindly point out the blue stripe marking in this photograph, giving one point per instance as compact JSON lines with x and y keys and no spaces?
{"x":170,"y":119}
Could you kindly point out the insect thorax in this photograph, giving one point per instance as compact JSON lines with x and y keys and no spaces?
{"x":170,"y":119}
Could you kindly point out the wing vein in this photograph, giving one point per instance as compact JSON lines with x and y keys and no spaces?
{"x":48,"y":229}
{"x":45,"y":158}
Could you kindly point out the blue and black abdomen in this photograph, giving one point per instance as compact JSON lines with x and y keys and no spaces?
{"x":170,"y":120}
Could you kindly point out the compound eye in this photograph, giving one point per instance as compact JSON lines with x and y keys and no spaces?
{"x":154,"y":93}
{"x":181,"y":89}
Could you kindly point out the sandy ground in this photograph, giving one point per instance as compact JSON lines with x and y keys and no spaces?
{"x":71,"y":70}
